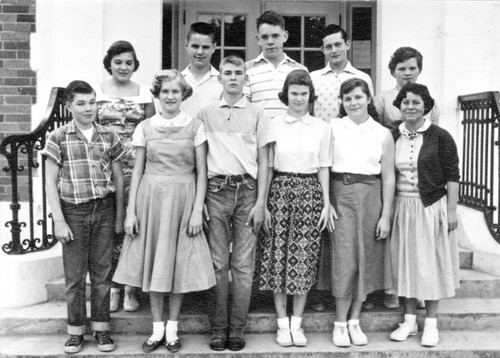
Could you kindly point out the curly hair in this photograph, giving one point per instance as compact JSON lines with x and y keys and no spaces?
{"x":416,"y":89}
{"x":116,"y":49}
{"x":297,"y":77}
{"x":167,"y":76}
{"x":403,"y":54}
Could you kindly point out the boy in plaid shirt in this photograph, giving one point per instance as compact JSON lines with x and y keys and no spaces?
{"x":83,"y":175}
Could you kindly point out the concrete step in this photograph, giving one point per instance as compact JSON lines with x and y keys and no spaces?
{"x":454,"y":314}
{"x":465,"y":258}
{"x":453,"y":344}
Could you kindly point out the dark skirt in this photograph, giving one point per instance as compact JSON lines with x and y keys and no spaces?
{"x":289,"y":256}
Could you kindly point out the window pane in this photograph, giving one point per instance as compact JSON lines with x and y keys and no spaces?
{"x":234,"y":30}
{"x":294,"y":55}
{"x":314,"y":60}
{"x":239,"y":53}
{"x":215,"y":61}
{"x":361,"y":23}
{"x":214,"y":20}
{"x":312,"y":28}
{"x":293,"y":28}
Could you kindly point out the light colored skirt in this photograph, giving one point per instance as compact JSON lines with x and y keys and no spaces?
{"x":422,"y":255}
{"x":358,"y":258}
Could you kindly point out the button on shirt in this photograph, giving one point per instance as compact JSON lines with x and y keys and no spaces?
{"x":234,"y":134}
{"x":205,"y":92}
{"x":265,"y":82}
{"x":303,"y":145}
{"x":327,"y":87}
{"x":85,"y":166}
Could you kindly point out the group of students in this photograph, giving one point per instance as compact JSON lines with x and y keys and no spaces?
{"x":355,"y":198}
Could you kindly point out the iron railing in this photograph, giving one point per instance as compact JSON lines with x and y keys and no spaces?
{"x":479,"y":188}
{"x":21,"y":151}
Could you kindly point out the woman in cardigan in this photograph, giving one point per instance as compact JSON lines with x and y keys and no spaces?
{"x":423,"y":251}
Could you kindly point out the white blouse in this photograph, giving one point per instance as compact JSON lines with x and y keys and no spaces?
{"x":157,"y":121}
{"x":357,"y":148}
{"x":303,"y":145}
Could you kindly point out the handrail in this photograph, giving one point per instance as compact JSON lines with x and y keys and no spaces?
{"x":480,"y":184}
{"x":25,"y":146}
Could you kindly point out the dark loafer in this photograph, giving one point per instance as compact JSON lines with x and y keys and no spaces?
{"x":219,"y":342}
{"x":174,"y":346}
{"x":150,"y":345}
{"x":236,"y":342}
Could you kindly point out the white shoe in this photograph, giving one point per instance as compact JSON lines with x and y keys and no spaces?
{"x":130,"y":303}
{"x":358,"y":338}
{"x":341,"y":337}
{"x":298,"y":337}
{"x":114,"y":299}
{"x":405,"y":330}
{"x":430,"y":337}
{"x":284,"y":338}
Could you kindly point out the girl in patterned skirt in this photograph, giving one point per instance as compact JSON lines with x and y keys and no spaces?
{"x":298,"y":206}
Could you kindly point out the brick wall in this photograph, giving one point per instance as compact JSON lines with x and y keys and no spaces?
{"x":17,"y":80}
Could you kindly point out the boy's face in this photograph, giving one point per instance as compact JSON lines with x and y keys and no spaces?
{"x":83,"y":107}
{"x":232,"y":78}
{"x":200,"y":49}
{"x":335,"y":49}
{"x":271,"y":39}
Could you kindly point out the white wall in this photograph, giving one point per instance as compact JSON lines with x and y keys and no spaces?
{"x":72,"y":37}
{"x":458,"y":39}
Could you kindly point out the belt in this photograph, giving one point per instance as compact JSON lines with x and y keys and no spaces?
{"x":351,"y":178}
{"x":295,"y":175}
{"x":233,"y":178}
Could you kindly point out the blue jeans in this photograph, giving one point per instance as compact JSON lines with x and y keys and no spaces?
{"x":93,"y":226}
{"x":229,"y":202}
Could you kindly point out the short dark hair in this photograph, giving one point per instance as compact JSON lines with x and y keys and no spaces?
{"x":77,"y":86}
{"x":297,"y":77}
{"x":116,"y":49}
{"x":419,"y":90}
{"x":333,"y":29}
{"x":403,"y":54}
{"x":271,"y":17}
{"x":167,"y":76}
{"x":353,"y":83}
{"x":233,"y":60}
{"x":202,"y":28}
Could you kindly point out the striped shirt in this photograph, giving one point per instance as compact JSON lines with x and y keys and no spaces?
{"x":327,"y":87}
{"x":205,"y":92}
{"x":85,"y":166}
{"x":265,"y":82}
{"x":234,"y":135}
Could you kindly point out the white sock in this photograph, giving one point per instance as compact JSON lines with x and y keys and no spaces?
{"x":158,"y":329}
{"x":430,"y":322}
{"x":340,"y":324}
{"x":411,"y":318}
{"x":115,"y":290}
{"x":171,"y":331}
{"x":353,"y":322}
{"x":283,"y":323}
{"x":295,"y":322}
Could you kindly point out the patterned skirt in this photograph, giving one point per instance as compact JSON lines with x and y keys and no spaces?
{"x":289,"y":256}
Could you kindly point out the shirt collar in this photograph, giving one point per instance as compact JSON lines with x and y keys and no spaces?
{"x":187,"y":73}
{"x":348,"y":68}
{"x":261,"y":58}
{"x":72,"y":128}
{"x":412,"y":134}
{"x":306,"y":119}
{"x":242,"y":103}
{"x":363,"y":127}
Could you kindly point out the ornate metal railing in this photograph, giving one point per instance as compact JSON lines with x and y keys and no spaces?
{"x":21,"y":151}
{"x":479,"y":188}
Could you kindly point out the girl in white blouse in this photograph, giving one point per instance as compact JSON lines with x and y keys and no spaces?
{"x":363,"y":167}
{"x":298,"y":204}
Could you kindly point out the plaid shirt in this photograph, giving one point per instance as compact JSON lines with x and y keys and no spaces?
{"x":85,"y":172}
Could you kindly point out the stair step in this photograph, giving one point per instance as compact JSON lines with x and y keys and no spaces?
{"x":454,"y":314}
{"x":465,"y":258}
{"x":456,"y":344}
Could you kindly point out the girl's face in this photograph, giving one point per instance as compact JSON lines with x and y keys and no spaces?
{"x":122,"y":66}
{"x":412,"y":108}
{"x":356,"y":103}
{"x":406,"y":72}
{"x":170,"y":98}
{"x":298,"y":99}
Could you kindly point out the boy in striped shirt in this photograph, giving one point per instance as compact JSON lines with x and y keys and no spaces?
{"x":238,"y":139}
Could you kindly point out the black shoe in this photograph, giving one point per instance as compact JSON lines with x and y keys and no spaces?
{"x":74,"y":344}
{"x":236,"y":342}
{"x":174,"y":346}
{"x":219,"y":339}
{"x":149,"y":345}
{"x":104,"y":341}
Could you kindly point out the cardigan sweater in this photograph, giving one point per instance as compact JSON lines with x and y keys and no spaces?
{"x":437,"y":163}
